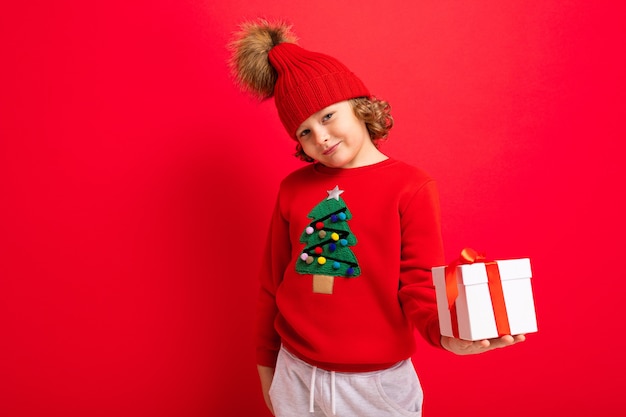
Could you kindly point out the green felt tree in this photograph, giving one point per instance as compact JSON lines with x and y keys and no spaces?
{"x":327,"y":240}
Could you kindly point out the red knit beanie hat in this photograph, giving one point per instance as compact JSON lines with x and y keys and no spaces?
{"x":267,"y":62}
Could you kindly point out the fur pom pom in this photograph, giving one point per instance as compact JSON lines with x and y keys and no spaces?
{"x":249,"y":61}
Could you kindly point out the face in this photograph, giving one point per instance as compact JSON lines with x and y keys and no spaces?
{"x":335,"y":137}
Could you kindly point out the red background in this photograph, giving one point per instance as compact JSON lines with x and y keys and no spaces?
{"x":136,"y":184}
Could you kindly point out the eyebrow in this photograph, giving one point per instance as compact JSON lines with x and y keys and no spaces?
{"x":323,"y":112}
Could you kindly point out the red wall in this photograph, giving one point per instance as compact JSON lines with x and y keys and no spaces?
{"x":136,"y":185}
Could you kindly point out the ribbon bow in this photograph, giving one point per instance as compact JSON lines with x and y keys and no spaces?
{"x":468,"y":256}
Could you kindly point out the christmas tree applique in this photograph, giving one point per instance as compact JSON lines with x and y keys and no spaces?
{"x":327,"y":240}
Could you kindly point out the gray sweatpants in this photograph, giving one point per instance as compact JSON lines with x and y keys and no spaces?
{"x":299,"y":389}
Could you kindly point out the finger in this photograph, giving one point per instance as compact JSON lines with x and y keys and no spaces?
{"x":508,"y":340}
{"x":500,"y":342}
{"x":465,"y":343}
{"x":484,"y":344}
{"x":458,"y":342}
{"x":519,"y":338}
{"x":468,"y":347}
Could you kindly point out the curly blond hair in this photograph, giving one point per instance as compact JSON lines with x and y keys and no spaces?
{"x":374,"y":112}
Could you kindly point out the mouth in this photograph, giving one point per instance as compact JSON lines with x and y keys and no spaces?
{"x":330,"y":150}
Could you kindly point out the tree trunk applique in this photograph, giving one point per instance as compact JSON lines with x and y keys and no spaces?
{"x":328,"y":239}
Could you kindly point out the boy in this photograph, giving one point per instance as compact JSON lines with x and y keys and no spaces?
{"x":346,"y":272}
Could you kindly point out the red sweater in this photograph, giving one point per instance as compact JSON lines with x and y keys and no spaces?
{"x":389,"y":235}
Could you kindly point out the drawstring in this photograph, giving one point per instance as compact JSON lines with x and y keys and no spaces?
{"x":312,"y":391}
{"x":332,"y":390}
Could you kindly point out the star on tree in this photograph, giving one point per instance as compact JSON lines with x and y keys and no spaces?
{"x":334,"y":193}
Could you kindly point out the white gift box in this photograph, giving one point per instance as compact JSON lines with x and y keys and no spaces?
{"x":474,"y":307}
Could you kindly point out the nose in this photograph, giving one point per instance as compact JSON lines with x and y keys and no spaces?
{"x":321,"y":136}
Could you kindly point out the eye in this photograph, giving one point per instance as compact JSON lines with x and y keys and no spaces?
{"x":304,"y":133}
{"x":327,"y":117}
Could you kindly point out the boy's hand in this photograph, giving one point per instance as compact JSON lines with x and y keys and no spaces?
{"x":466,"y":347}
{"x":266,"y":374}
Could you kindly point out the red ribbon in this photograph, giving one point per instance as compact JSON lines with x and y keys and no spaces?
{"x":470,"y":256}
